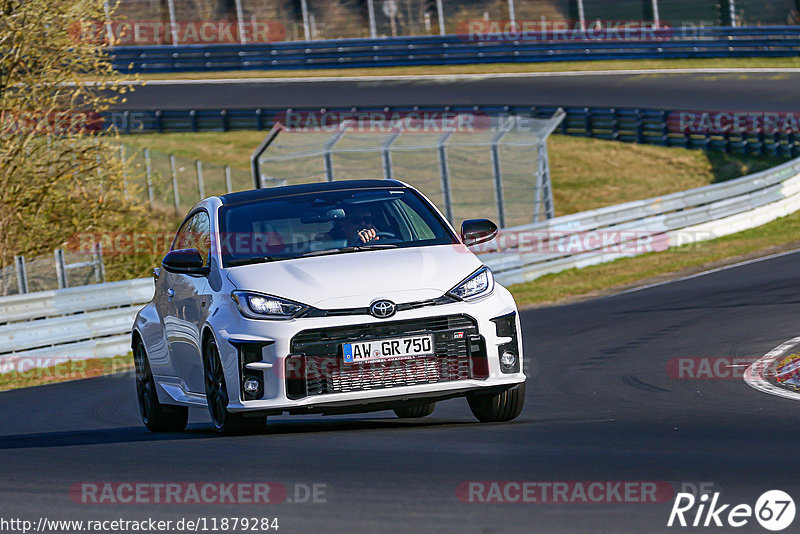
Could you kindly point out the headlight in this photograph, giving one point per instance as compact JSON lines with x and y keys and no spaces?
{"x":258,"y":306}
{"x":478,"y":284}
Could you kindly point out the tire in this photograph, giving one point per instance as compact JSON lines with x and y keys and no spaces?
{"x":414,"y":411}
{"x":225,"y":422}
{"x":156,"y":417}
{"x":498,"y":407}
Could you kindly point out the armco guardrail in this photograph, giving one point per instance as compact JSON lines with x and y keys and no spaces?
{"x":605,"y":234}
{"x":574,"y":45}
{"x":645,"y":126}
{"x":42,"y":329}
{"x":95,"y":321}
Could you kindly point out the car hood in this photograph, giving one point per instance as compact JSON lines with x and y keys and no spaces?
{"x":358,"y":278}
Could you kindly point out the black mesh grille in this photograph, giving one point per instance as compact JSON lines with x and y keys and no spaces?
{"x":316,"y":366}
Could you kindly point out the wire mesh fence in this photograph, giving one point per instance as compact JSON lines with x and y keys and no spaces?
{"x":65,"y":267}
{"x":168,"y":181}
{"x":146,"y":22}
{"x":496,"y":168}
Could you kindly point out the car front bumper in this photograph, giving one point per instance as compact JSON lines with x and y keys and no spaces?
{"x":259,"y":349}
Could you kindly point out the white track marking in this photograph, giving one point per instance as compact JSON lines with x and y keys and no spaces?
{"x":459,"y":77}
{"x":710,"y":271}
{"x":754,"y":375}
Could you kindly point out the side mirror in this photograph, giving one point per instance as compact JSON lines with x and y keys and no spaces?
{"x":184,"y":261}
{"x":475,"y":231}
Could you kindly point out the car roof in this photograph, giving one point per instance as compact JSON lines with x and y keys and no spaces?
{"x":289,"y":190}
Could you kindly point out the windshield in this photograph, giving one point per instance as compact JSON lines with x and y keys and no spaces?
{"x":332,"y":222}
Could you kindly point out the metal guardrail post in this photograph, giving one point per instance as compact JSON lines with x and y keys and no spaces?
{"x":22,"y":274}
{"x":175,"y":193}
{"x":201,"y":186}
{"x":444,"y":171}
{"x":228,"y":181}
{"x":148,"y":170}
{"x":61,"y":272}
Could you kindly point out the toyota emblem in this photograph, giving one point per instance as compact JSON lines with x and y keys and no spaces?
{"x":382,"y":309}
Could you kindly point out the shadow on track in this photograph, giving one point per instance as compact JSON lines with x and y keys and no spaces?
{"x":136,"y":434}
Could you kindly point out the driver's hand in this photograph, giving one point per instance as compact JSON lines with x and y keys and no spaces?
{"x":366,"y":235}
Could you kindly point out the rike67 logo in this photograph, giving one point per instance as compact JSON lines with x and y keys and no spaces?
{"x":774,"y":510}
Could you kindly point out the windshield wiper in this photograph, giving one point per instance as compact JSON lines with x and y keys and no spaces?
{"x":249,"y":261}
{"x":344,"y":250}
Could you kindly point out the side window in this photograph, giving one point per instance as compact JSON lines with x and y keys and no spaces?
{"x":195,"y":233}
{"x":420,"y":227}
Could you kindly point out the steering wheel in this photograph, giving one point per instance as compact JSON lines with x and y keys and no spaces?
{"x":387,"y":235}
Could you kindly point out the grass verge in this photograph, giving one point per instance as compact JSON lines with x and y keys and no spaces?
{"x":493,"y":68}
{"x":608,"y":278}
{"x":24,"y":376}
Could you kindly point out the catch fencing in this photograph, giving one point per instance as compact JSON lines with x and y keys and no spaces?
{"x":64,"y":268}
{"x":177,"y":22}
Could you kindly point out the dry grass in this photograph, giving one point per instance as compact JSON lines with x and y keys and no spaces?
{"x":65,"y":371}
{"x":553,"y":66}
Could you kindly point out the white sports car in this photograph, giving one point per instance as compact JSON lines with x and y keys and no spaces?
{"x":339,"y":297}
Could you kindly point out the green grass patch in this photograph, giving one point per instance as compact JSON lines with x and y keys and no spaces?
{"x":781,"y":234}
{"x":64,"y":371}
{"x":550,"y":66}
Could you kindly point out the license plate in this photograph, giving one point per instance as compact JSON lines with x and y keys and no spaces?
{"x":388,"y":349}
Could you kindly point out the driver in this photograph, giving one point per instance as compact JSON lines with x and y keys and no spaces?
{"x":356,"y":227}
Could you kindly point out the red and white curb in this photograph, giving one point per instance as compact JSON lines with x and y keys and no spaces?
{"x":754,"y":376}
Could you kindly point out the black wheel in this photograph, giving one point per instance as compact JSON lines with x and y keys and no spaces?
{"x":224,"y":421}
{"x":498,"y":407}
{"x":156,"y":417}
{"x":412,"y":412}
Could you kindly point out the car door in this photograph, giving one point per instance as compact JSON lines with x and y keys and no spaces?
{"x":187,"y":301}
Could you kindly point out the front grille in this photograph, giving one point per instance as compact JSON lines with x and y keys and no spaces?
{"x":316,"y":367}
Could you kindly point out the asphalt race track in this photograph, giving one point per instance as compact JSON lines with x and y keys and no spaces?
{"x":600,"y":407}
{"x":743,"y":92}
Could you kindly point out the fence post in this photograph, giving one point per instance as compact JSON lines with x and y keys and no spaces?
{"x":61,"y":272}
{"x":99,"y":266}
{"x":148,"y":170}
{"x":22,"y":275}
{"x":581,"y":15}
{"x":228,"y":182}
{"x":328,"y":148}
{"x":386,"y":153}
{"x":440,"y":16}
{"x":544,"y":176}
{"x":656,"y":18}
{"x":732,"y":13}
{"x":172,"y":25}
{"x":201,"y":187}
{"x":373,"y":33}
{"x":444,"y":171}
{"x":176,"y":195}
{"x":512,"y":18}
{"x":498,"y":177}
{"x":124,"y":171}
{"x":240,"y":21}
{"x":306,"y":29}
